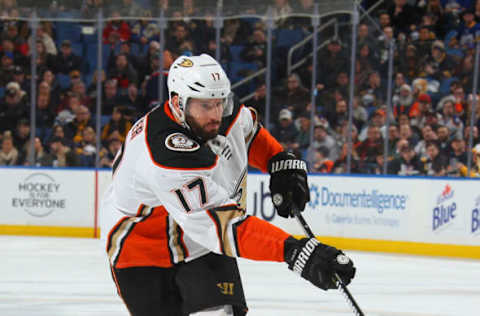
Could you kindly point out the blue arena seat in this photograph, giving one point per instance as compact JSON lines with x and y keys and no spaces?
{"x":63,"y":80}
{"x":287,"y":37}
{"x":68,"y":31}
{"x":77,"y":49}
{"x":235,"y":51}
{"x":91,"y":55}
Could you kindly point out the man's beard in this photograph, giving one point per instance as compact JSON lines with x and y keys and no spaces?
{"x":200,"y":131}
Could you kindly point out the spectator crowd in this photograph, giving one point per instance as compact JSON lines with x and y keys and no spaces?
{"x":428,"y":123}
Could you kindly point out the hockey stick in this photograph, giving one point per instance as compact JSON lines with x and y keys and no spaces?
{"x":341,"y":286}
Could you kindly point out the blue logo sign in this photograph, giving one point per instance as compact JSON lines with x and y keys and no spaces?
{"x":476,"y":217}
{"x":444,"y":212}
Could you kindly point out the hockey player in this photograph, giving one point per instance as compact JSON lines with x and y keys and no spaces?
{"x":178,"y":202}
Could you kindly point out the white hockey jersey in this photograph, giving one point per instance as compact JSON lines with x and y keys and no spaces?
{"x":174,"y":198}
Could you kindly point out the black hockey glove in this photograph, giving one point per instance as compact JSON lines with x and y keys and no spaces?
{"x":318,"y":262}
{"x":288,"y":183}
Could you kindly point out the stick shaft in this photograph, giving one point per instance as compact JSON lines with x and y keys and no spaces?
{"x":342,"y":287}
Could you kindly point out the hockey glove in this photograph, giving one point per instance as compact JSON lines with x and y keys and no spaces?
{"x":288,"y":183}
{"x":318,"y":262}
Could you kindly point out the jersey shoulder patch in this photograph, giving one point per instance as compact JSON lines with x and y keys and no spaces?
{"x":181,"y":142}
{"x":171,"y":146}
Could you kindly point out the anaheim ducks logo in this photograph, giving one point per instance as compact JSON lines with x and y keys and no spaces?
{"x":180,"y":142}
{"x":186,"y":63}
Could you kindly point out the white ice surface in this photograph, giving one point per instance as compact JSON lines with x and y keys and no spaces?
{"x":69,"y":277}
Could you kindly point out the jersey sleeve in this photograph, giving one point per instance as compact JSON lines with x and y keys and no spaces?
{"x":261,"y":144}
{"x":207,"y":215}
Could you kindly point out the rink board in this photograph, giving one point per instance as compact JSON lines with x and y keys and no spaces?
{"x":425,"y":216}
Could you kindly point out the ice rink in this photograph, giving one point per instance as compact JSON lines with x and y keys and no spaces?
{"x":68,"y":277}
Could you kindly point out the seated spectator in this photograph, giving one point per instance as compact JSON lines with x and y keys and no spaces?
{"x":116,"y":123}
{"x":45,"y":60}
{"x":321,"y":163}
{"x":374,"y":87}
{"x":11,"y":110}
{"x":21,"y":136}
{"x":44,"y":116}
{"x":66,"y":60}
{"x":449,"y":118}
{"x":469,"y":112}
{"x":285,"y":132}
{"x":258,"y":102}
{"x":383,"y":45}
{"x":78,"y":88}
{"x":403,"y":15}
{"x":410,"y":61}
{"x":424,"y":41}
{"x":466,"y":134}
{"x":378,"y":165}
{"x":130,"y":8}
{"x":402,"y":101}
{"x":372,"y":144}
{"x":144,"y":31}
{"x":49,"y":77}
{"x":116,"y":30}
{"x":255,"y":50}
{"x":364,"y":36}
{"x":419,"y":109}
{"x":295,"y":96}
{"x":281,"y":10}
{"x":407,"y":164}
{"x":20,"y":78}
{"x":366,"y":56}
{"x":443,"y":62}
{"x":44,"y":36}
{"x":114,"y":146}
{"x":435,"y":163}
{"x":9,"y":154}
{"x":340,"y":165}
{"x":14,"y":56}
{"x":67,"y":115}
{"x":360,"y":114}
{"x":45,"y":89}
{"x":62,"y":155}
{"x":428,"y":136}
{"x":150,"y":86}
{"x":467,"y":30}
{"x":443,"y":138}
{"x":302,"y":141}
{"x":337,"y":118}
{"x":475,"y":169}
{"x":145,"y":68}
{"x":393,"y":138}
{"x":321,"y":138}
{"x":87,"y":149}
{"x":6,"y":68}
{"x":400,"y":80}
{"x":332,"y":61}
{"x":342,"y":82}
{"x":73,"y":130}
{"x":133,"y":99}
{"x":111,"y":97}
{"x":342,"y":137}
{"x":457,"y":153}
{"x":14,"y":88}
{"x":58,"y":132}
{"x":125,"y":49}
{"x":378,"y":119}
{"x":123,"y":72}
{"x":179,"y":35}
{"x":40,"y":158}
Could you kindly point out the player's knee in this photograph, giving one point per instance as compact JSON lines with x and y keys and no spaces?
{"x":225,"y":310}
